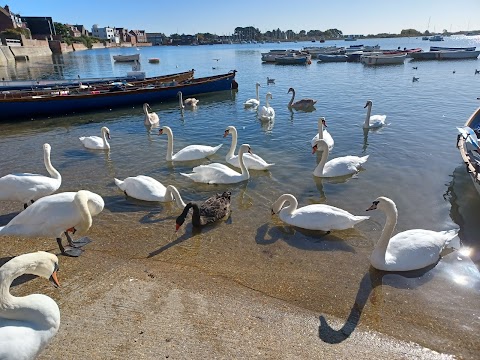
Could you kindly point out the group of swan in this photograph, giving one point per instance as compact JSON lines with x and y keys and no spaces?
{"x":29,"y":322}
{"x":408,"y":250}
{"x":26,"y":187}
{"x":96,"y":142}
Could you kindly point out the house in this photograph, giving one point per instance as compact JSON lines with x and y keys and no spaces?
{"x":41,"y":27}
{"x":156,"y":38}
{"x":83,"y":30}
{"x":105,"y":33}
{"x":124,"y":36}
{"x":9,"y":20}
{"x":139,"y":35}
{"x":73,"y":31}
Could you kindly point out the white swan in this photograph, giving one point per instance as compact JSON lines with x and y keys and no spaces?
{"x":373,"y":121}
{"x":325,"y":135}
{"x":408,"y":250}
{"x":190,"y":102}
{"x":314,"y":217}
{"x":253,"y":102}
{"x":55,"y":215}
{"x":340,"y":166}
{"x":190,"y":152}
{"x":252,"y":161}
{"x":219,"y":173}
{"x":95,"y":142}
{"x":148,"y":189}
{"x":27,"y":323}
{"x":150,"y":118}
{"x":303,"y":104}
{"x":266,"y":111}
{"x":26,"y":187}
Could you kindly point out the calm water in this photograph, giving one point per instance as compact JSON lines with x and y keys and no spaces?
{"x":413,"y":161}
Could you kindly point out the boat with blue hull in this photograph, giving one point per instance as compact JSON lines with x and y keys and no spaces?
{"x":31,"y":104}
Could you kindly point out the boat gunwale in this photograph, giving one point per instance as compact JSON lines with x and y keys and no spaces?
{"x":461,"y":147}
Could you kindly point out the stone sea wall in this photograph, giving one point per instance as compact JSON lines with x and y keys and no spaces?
{"x":5,"y":55}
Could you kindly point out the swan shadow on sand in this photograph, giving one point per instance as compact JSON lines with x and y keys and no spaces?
{"x":372,"y":279}
{"x":190,"y":233}
{"x":308,"y":240}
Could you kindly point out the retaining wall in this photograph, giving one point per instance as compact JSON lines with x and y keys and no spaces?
{"x":5,"y":55}
{"x":31,"y":51}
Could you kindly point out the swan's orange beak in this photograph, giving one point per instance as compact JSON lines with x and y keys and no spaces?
{"x":226,"y":133}
{"x":160,"y":132}
{"x":72,"y":230}
{"x":314,"y":149}
{"x":177,"y":226}
{"x":54,"y":279}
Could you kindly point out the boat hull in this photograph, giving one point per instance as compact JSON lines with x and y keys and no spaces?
{"x":28,"y":107}
{"x":445,"y":55}
{"x":473,"y":122}
{"x":383,"y":59}
{"x":126,"y":58}
{"x":332,"y":58}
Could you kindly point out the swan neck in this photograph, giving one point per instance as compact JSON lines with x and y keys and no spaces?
{"x":367,"y":118}
{"x":266,"y":102}
{"x":323,"y":160}
{"x":104,"y":137}
{"x":320,"y":129}
{"x":233,"y":146}
{"x":172,"y":190}
{"x":391,"y":222}
{"x":245,"y":172}
{"x":180,"y":100}
{"x":291,"y":100}
{"x":292,"y":204}
{"x":196,"y":220}
{"x":258,"y":98}
{"x":48,"y":165}
{"x":170,"y":143}
{"x":81,"y":201}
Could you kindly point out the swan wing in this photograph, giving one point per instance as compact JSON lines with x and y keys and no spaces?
{"x":251,"y":103}
{"x":20,"y":339}
{"x":216,"y":207}
{"x":25,"y":187}
{"x":50,"y":216}
{"x":344,"y":165}
{"x":195,"y":152}
{"x":92,"y":142}
{"x":321,"y":217}
{"x":327,"y":137}
{"x":214,"y":174}
{"x":267,"y":113}
{"x":377,"y":120}
{"x":144,"y":188}
{"x":413,"y":249}
{"x":252,"y":161}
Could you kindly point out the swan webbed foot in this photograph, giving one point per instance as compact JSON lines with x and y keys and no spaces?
{"x":72,"y":251}
{"x":80,"y":242}
{"x":25,"y":206}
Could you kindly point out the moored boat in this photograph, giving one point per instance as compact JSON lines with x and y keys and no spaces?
{"x":25,"y":85}
{"x":154,"y":60}
{"x":436,"y":38}
{"x":441,"y":48}
{"x":26,"y":105}
{"x":126,"y":58}
{"x":445,"y":55}
{"x":331,"y":58}
{"x":383,"y":59}
{"x":467,"y":144}
{"x":293,"y":59}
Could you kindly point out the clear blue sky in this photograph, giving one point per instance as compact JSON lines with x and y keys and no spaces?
{"x":222,"y":16}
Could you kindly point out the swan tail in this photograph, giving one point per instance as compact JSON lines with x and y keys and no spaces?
{"x":1,"y":229}
{"x":120,"y":184}
{"x":81,"y":200}
{"x":361,"y":218}
{"x":81,"y":138}
{"x":364,"y":159}
{"x":217,"y":147}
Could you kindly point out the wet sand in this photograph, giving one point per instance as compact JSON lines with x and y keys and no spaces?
{"x":231,"y":291}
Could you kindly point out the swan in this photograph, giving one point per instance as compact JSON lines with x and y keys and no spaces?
{"x":55,"y":215}
{"x":252,"y":161}
{"x":408,"y":250}
{"x":340,"y":166}
{"x":219,"y":173}
{"x":150,"y":118}
{"x":190,"y":152}
{"x":253,"y":102}
{"x":190,"y":102}
{"x":95,"y":142}
{"x":373,"y":121}
{"x":214,"y":208}
{"x":267,"y":112}
{"x":314,"y":217}
{"x":148,"y":189}
{"x":27,"y":323}
{"x":304,"y":104}
{"x":325,"y":134}
{"x":26,"y":187}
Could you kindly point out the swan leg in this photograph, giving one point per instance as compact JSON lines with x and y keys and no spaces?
{"x":25,"y":206}
{"x":69,"y":251}
{"x":79,"y":243}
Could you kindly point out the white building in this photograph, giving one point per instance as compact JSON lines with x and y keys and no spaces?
{"x":105,"y":33}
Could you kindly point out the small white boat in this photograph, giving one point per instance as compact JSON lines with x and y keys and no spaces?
{"x":467,"y":144}
{"x":126,"y":58}
{"x":436,"y":38}
{"x":382,"y":59}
